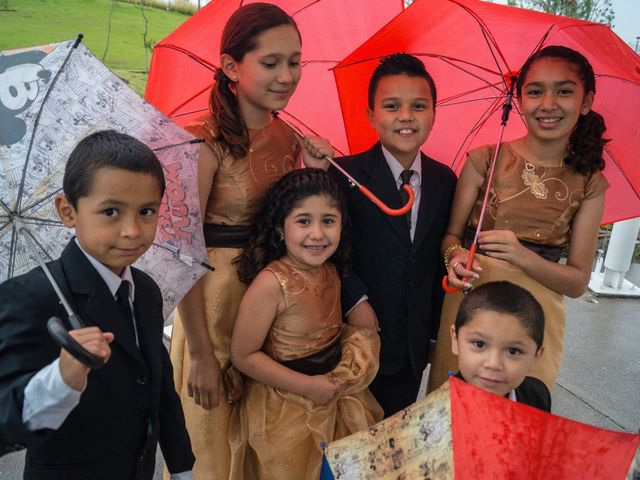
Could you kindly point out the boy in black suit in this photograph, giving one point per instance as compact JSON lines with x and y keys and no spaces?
{"x":104,"y":423}
{"x":498,"y":336}
{"x":397,"y":265}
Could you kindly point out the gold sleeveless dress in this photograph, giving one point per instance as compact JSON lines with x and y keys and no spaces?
{"x":238,"y":187}
{"x":280,"y":433}
{"x":538,"y":204}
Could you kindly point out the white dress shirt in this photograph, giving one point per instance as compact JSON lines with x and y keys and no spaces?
{"x":416,"y":181}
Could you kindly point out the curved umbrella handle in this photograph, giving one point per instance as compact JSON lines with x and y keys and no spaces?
{"x":386,"y":209}
{"x":395,"y":212}
{"x":445,"y":280}
{"x":61,"y":336}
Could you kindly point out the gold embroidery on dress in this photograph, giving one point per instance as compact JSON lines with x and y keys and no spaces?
{"x":537,"y":185}
{"x":531,"y":179}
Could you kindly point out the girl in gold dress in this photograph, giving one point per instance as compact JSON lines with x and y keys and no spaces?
{"x":308,"y":373}
{"x":246,"y":150}
{"x":547,"y":191}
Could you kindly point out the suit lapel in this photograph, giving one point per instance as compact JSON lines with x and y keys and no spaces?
{"x":94,"y":303}
{"x":380,"y":181}
{"x":430,"y":198}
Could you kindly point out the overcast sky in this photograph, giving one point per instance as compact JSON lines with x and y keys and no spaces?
{"x":627,"y":22}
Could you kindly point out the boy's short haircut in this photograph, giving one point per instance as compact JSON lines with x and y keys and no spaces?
{"x":399,"y":64}
{"x":508,"y":298}
{"x":107,"y":149}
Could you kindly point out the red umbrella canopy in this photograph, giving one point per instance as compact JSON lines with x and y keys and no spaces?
{"x":468,"y":46}
{"x":182,"y":65}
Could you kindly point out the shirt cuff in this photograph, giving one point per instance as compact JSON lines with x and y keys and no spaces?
{"x":182,"y":476}
{"x":363,"y":298}
{"x":48,"y":400}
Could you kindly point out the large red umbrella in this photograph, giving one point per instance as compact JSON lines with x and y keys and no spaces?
{"x":182,"y":65}
{"x":469,"y":46}
{"x":462,"y":432}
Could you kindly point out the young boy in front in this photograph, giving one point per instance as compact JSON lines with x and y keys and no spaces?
{"x":498,"y":336}
{"x":98,"y":424}
{"x":397,"y":265}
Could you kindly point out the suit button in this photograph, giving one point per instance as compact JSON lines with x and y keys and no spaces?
{"x":412,"y":283}
{"x":142,"y":379}
{"x":144,"y":417}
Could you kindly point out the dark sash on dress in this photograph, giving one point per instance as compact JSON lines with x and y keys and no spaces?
{"x":226,"y":236}
{"x":552,"y":254}
{"x":318,"y":363}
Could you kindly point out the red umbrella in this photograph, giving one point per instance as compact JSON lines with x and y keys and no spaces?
{"x":460,"y":431}
{"x":182,"y":65}
{"x":469,"y":47}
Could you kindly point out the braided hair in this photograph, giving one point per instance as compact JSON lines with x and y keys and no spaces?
{"x":239,"y":37}
{"x":586,"y":143}
{"x":266,"y":243}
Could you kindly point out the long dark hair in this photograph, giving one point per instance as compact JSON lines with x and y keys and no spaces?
{"x":238,"y":38}
{"x":586,"y":143}
{"x":266,"y":243}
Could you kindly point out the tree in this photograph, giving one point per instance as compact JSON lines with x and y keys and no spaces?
{"x":593,"y":10}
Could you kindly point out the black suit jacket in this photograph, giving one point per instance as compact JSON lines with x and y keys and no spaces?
{"x":128,"y":405}
{"x":401,"y":278}
{"x":535,"y":393}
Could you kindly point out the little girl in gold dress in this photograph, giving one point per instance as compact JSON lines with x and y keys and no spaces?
{"x":308,"y":373}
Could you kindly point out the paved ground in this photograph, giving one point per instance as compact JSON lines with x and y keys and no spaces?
{"x":599,"y":381}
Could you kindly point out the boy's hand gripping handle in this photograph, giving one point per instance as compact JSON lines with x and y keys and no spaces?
{"x":61,"y":336}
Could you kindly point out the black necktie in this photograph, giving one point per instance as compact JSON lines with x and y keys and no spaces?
{"x":405,"y":176}
{"x":122,"y":297}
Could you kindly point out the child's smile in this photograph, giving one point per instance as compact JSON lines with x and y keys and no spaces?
{"x":552,"y":99}
{"x":312,"y":231}
{"x":495,"y":351}
{"x":116,"y":222}
{"x":402,"y":115}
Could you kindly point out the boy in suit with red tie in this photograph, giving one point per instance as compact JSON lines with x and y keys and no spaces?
{"x":76,"y":422}
{"x":397,"y":265}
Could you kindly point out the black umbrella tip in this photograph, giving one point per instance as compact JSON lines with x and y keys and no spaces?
{"x":78,"y":40}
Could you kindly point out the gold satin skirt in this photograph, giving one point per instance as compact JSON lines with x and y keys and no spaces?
{"x":280,"y":433}
{"x":554,"y":313}
{"x":208,"y":429}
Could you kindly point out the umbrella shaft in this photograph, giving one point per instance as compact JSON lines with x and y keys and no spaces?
{"x":26,"y":234}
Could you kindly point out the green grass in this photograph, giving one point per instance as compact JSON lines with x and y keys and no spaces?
{"x":26,"y":23}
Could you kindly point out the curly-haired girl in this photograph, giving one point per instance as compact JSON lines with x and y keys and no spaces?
{"x":308,"y":372}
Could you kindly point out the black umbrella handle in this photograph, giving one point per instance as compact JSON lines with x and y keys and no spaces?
{"x":61,"y":336}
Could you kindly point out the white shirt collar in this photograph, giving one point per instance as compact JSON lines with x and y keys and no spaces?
{"x":512,"y":396}
{"x":397,"y":168}
{"x":112,"y":280}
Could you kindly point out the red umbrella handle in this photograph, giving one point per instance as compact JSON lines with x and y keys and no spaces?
{"x":386,"y":209}
{"x":445,"y":280}
{"x":376,"y":201}
{"x":395,"y":212}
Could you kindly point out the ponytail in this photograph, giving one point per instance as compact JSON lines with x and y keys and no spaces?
{"x":586,"y":144}
{"x":231,"y":129}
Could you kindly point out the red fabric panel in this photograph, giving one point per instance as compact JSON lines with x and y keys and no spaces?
{"x":495,"y":438}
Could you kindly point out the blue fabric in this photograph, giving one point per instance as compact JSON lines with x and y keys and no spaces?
{"x":325,"y":471}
